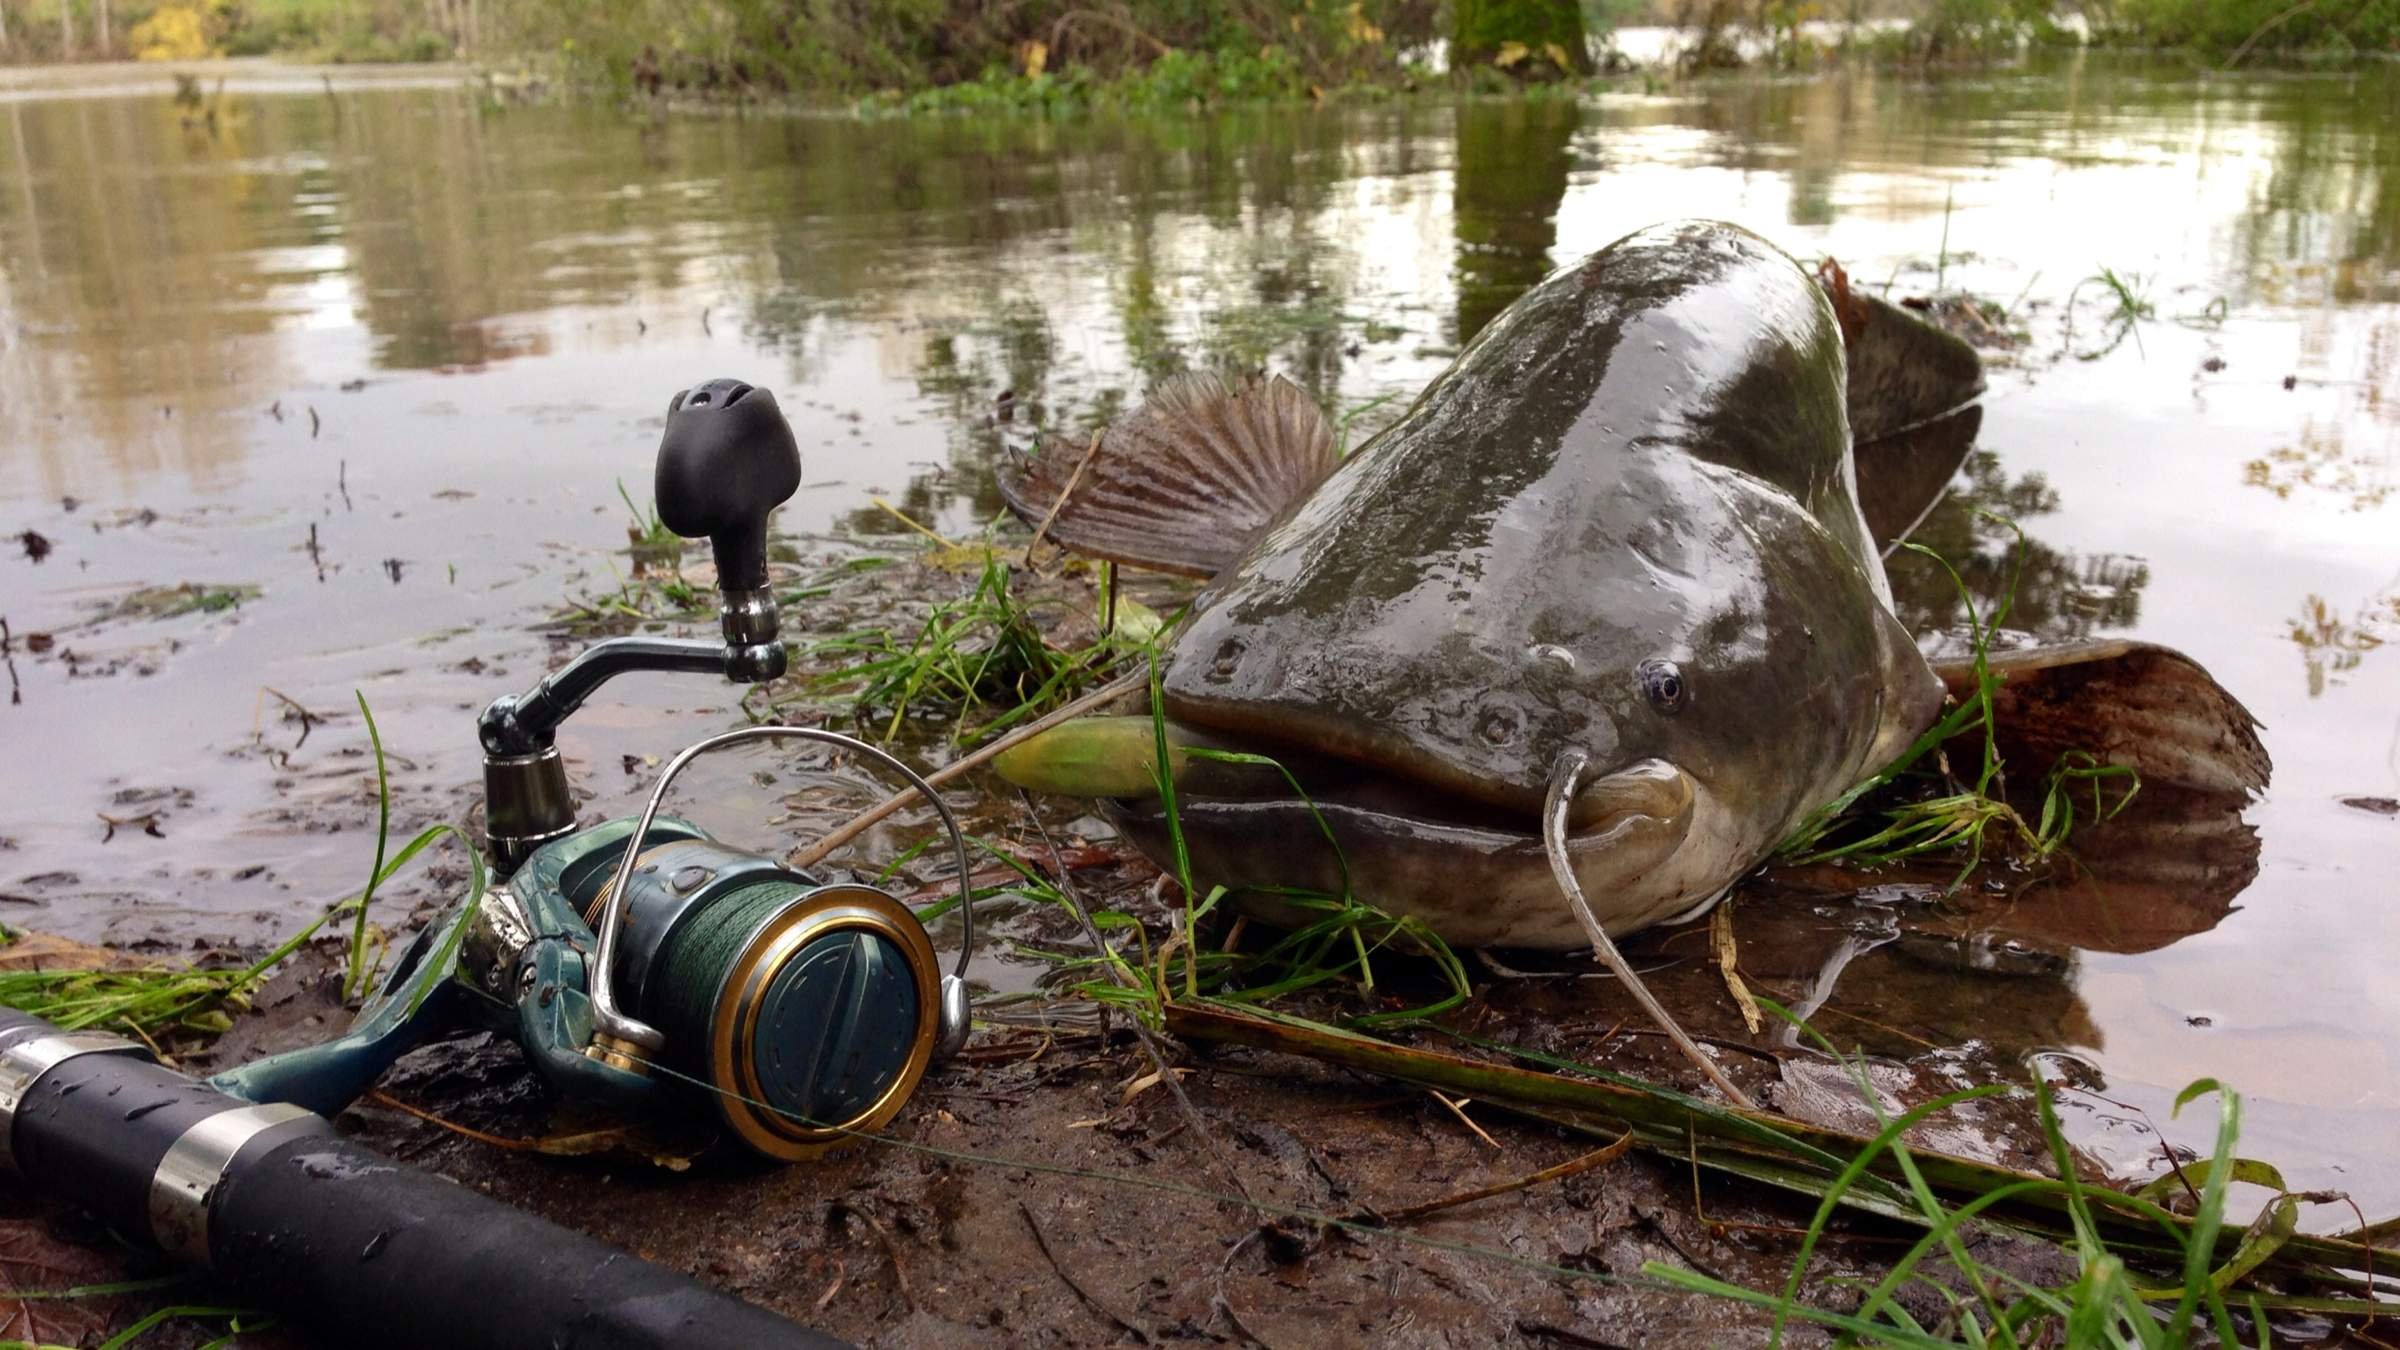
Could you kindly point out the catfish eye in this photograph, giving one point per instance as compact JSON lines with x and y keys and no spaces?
{"x":1661,"y":683}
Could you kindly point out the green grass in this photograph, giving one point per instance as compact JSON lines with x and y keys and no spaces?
{"x":648,"y":539}
{"x":980,"y":662}
{"x":1961,"y":814}
{"x":2104,"y":1305}
{"x":168,"y":1007}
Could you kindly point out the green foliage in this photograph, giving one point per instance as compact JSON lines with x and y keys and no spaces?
{"x":1026,"y":53}
{"x":339,"y":31}
{"x":2246,"y":29}
{"x":983,"y":653}
{"x":1176,"y":79}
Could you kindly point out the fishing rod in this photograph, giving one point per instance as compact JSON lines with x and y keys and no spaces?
{"x":640,"y":964}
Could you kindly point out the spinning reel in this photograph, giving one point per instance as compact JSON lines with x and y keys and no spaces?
{"x":640,"y":958}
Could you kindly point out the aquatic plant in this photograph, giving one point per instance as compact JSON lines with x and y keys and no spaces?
{"x":2126,"y":298}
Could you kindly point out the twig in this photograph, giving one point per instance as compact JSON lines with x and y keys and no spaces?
{"x":904,"y":518}
{"x":1224,"y":1300}
{"x":382,"y":1098}
{"x":890,"y":1250}
{"x":1457,"y":1109}
{"x":865,"y":820}
{"x":308,"y":720}
{"x":1042,"y":1241}
{"x":148,"y":821}
{"x":1042,"y":530}
{"x":1720,"y":930}
{"x":16,"y":692}
{"x":1599,"y":1157}
{"x":2265,"y":28}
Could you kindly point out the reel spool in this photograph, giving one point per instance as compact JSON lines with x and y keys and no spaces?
{"x":812,"y":1011}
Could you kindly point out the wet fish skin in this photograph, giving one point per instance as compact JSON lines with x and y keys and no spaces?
{"x":1645,"y":460}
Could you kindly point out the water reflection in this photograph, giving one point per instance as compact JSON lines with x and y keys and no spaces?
{"x":1918,"y":965}
{"x":1513,"y":161}
{"x":2333,"y":644}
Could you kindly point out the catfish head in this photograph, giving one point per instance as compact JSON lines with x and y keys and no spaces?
{"x":1616,"y":547}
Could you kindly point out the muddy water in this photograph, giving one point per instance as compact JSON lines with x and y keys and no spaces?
{"x":384,"y":353}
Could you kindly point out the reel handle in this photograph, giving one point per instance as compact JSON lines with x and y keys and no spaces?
{"x":726,"y":462}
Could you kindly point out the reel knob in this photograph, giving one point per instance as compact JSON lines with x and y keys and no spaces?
{"x":726,"y":462}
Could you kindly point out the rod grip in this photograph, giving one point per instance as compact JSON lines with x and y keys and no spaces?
{"x":394,"y":1256}
{"x":367,"y":1250}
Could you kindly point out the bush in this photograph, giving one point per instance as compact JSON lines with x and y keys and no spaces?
{"x":2220,"y":27}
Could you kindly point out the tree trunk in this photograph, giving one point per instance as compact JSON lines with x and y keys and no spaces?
{"x":103,"y":27}
{"x":3,"y":25}
{"x":66,"y":29}
{"x":1536,"y":39}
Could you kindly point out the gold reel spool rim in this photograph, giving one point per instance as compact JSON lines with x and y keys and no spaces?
{"x":733,"y":1021}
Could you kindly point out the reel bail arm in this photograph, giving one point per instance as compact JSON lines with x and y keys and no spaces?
{"x":616,"y":1034}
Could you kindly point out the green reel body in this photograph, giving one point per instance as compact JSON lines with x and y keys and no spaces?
{"x":808,"y":1009}
{"x":804,"y":1011}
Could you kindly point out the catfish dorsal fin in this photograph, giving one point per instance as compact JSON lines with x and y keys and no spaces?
{"x":1185,"y":482}
{"x":1912,"y":401}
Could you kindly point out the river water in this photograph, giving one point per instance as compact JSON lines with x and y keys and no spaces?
{"x":383,"y":350}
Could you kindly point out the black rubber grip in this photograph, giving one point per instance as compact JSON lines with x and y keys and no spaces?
{"x":367,"y":1251}
{"x":106,"y":1121}
{"x":394,"y":1257}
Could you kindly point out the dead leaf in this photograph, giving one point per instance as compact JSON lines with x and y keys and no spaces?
{"x":1720,"y":932}
{"x":45,"y":951}
{"x":32,"y":1259}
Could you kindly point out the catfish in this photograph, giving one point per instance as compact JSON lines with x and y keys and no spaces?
{"x":1569,"y":647}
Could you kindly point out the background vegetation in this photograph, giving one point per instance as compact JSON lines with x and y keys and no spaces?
{"x":930,"y":54}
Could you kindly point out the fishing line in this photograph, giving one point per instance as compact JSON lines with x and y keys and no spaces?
{"x":1554,"y":843}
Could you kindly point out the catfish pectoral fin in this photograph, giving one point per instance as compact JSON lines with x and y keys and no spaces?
{"x":1118,"y":757}
{"x":1184,"y":483}
{"x":2149,"y":708}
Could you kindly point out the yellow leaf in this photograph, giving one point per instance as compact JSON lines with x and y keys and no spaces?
{"x":1557,"y":55}
{"x":1510,"y":54}
{"x":1034,"y":56}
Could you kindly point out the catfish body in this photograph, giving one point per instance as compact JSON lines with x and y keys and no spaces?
{"x":1623,"y":525}
{"x":1623,"y":522}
